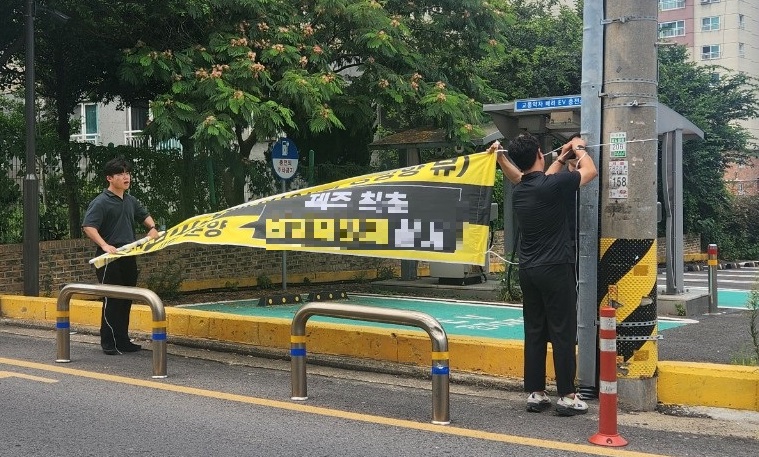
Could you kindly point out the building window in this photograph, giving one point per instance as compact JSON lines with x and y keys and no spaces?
{"x":671,"y":29}
{"x":138,"y":117}
{"x":741,"y":50}
{"x":706,"y":2}
{"x":710,"y":52}
{"x":88,"y":124}
{"x":741,"y":21}
{"x":671,"y":4}
{"x":710,"y":24}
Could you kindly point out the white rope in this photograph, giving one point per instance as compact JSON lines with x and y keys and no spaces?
{"x":551,"y":152}
{"x":497,"y":255}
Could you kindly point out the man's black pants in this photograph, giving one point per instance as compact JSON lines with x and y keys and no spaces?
{"x":550,"y":314}
{"x":114,"y":320}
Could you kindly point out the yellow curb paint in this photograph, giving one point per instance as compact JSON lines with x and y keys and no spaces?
{"x":708,"y":384}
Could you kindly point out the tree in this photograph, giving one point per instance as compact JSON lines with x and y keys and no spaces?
{"x":544,"y":54}
{"x":308,"y":68}
{"x":714,"y":99}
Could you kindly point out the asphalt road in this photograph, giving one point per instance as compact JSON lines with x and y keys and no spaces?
{"x":231,"y":404}
{"x":744,"y":278}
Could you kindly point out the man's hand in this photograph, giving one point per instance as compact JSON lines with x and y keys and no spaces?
{"x":109,"y":249}
{"x":495,"y":147}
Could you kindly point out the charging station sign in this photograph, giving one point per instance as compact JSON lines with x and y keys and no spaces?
{"x":284,"y":157}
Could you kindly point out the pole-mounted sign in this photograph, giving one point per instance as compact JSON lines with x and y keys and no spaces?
{"x":284,"y":157}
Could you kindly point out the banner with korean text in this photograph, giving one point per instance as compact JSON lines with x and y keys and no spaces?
{"x":438,"y":211}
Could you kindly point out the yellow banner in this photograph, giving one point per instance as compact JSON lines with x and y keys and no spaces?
{"x":438,"y":211}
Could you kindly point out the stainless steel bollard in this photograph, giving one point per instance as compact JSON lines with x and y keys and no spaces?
{"x":63,"y":326}
{"x":440,"y":357}
{"x":711,"y":251}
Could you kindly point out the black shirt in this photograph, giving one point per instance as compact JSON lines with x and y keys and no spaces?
{"x":540,"y":205}
{"x":114,"y":217}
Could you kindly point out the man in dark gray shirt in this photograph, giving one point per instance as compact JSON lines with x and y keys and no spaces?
{"x":109,"y":222}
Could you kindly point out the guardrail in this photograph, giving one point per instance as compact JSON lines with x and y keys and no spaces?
{"x":63,"y":325}
{"x":440,"y":367}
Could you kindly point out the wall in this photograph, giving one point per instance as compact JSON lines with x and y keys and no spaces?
{"x":202,"y":267}
{"x":691,"y":249}
{"x":214,"y":267}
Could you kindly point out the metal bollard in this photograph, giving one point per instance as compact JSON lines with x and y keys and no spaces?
{"x":712,"y":262}
{"x":62,"y":324}
{"x":438,"y":337}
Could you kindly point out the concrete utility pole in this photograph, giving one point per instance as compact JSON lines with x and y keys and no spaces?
{"x":627,"y":248}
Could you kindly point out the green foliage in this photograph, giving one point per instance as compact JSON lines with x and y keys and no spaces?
{"x":385,"y":272}
{"x":753,"y":306}
{"x":167,"y":281}
{"x":510,"y":290}
{"x":713,"y":98}
{"x":544,"y":53}
{"x":264,"y":282}
{"x":680,"y":309}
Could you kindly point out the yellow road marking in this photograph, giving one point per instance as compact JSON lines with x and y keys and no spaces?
{"x":10,"y":374}
{"x":299,"y":407}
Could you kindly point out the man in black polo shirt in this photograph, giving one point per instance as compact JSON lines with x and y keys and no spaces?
{"x":546,"y":264}
{"x":109,"y":222}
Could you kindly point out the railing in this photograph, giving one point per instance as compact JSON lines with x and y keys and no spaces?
{"x":440,"y":367}
{"x":62,"y":323}
{"x":93,"y":138}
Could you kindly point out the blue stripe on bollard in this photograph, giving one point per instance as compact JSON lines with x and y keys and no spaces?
{"x":65,"y":324}
{"x":440,"y":370}
{"x":159,"y":336}
{"x":298,"y":352}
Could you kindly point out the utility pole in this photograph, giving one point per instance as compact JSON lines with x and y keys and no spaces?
{"x":590,"y":128}
{"x":31,"y":246}
{"x":627,"y":247}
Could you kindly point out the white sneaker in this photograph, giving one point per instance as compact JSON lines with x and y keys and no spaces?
{"x":568,"y":406}
{"x":537,"y":402}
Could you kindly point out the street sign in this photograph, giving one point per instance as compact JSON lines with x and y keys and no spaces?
{"x":537,"y":104}
{"x":284,"y":157}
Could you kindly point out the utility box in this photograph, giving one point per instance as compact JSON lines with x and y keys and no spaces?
{"x":464,"y":274}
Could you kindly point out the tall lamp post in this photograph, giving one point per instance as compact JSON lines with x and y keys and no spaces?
{"x":31,"y":248}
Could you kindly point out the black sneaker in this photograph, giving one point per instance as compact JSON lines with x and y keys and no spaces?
{"x":129,"y":347}
{"x":111,"y":351}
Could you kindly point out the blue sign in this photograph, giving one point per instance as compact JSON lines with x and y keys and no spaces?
{"x":535,"y":104}
{"x":284,"y":157}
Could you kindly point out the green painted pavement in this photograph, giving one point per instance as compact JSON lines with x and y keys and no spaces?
{"x":474,"y":319}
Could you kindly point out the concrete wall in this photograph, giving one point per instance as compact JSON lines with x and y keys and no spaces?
{"x":201,"y":267}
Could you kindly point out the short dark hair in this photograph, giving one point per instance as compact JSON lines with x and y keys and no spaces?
{"x":523,"y":151}
{"x":117,"y":165}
